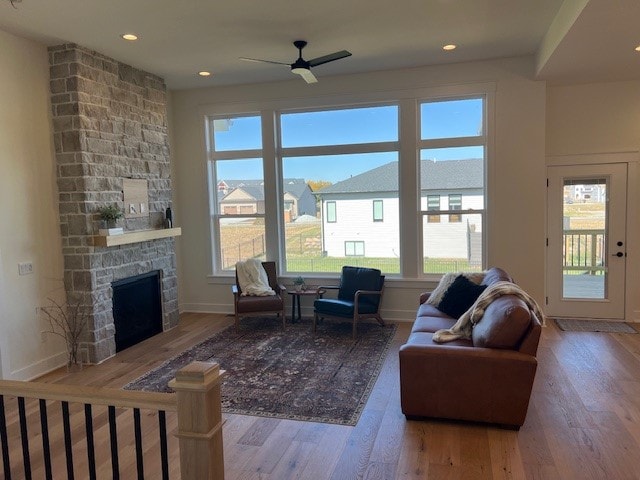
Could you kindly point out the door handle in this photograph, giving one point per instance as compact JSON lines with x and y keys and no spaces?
{"x":617,"y":254}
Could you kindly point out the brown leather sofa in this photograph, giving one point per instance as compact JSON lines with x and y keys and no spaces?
{"x":485,"y":379}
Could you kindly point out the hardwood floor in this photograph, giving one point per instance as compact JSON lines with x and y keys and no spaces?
{"x":583,"y":420}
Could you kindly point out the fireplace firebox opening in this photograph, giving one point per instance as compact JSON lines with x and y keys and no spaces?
{"x":137,"y":308}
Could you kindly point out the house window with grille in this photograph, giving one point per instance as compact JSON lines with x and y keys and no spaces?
{"x":377,"y":211}
{"x":331,"y":212}
{"x":354,"y":249}
{"x":433,"y":203}
{"x":455,"y":203}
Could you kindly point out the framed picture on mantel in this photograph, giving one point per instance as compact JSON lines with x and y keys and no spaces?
{"x":136,"y":198}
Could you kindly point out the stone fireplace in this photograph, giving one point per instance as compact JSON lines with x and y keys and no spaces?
{"x":110,"y":124}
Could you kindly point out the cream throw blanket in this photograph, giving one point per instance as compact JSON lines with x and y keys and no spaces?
{"x":462,"y":328}
{"x":253,"y":279}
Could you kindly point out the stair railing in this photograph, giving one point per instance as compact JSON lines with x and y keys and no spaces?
{"x":196,"y":404}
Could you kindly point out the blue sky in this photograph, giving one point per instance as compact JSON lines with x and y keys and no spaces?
{"x":352,"y":126}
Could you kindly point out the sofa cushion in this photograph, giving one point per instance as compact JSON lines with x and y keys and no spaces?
{"x":426,"y":339}
{"x":432,"y":323}
{"x":505,"y":322}
{"x":460,"y":296}
{"x":427,"y":310}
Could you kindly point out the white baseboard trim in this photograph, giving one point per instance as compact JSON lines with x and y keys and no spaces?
{"x":40,"y":368}
{"x":205,"y":308}
{"x":306,"y":310}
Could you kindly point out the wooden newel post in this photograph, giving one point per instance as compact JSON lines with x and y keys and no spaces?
{"x":197,"y":389}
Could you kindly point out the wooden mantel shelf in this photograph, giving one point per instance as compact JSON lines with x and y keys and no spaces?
{"x":135,"y":236}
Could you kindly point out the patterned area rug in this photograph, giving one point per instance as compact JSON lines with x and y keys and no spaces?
{"x":293,"y":374}
{"x":571,"y":325}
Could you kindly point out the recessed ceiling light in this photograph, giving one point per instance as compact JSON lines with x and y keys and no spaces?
{"x":204,"y":73}
{"x":129,"y":36}
{"x":450,"y":46}
{"x":638,"y":48}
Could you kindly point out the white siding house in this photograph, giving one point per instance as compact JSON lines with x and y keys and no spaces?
{"x":355,"y":233}
{"x":350,"y":229}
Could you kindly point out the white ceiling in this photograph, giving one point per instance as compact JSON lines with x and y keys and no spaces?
{"x":180,"y":37}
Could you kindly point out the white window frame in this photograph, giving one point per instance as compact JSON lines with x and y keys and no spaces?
{"x":215,"y":215}
{"x":410,"y":144}
{"x":485,"y":140}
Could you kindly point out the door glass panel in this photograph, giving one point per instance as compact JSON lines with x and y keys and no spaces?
{"x":584,"y":236}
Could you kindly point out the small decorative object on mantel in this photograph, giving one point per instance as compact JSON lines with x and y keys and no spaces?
{"x":168,"y":221}
{"x":299,"y":284}
{"x":109,"y":214}
{"x":68,"y":320}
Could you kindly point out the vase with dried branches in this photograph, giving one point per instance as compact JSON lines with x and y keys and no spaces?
{"x":69,"y":321}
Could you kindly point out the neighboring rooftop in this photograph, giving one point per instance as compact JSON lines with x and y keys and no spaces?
{"x":293,"y":186}
{"x":435,"y":175}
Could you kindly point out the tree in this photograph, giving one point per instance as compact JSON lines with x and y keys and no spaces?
{"x":316,"y":185}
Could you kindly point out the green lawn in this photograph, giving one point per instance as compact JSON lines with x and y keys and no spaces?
{"x":304,"y":252}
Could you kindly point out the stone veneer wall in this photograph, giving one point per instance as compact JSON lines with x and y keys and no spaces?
{"x":109,"y":123}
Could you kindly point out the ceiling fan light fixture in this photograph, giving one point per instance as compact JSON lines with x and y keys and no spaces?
{"x":303,"y":67}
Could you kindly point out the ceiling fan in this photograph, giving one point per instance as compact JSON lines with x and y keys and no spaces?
{"x":301,"y":66}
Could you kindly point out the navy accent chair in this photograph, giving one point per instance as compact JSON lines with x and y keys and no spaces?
{"x":359,"y":296}
{"x":251,"y":306}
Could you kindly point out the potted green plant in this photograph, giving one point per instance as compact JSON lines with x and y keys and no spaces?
{"x":298,"y":283}
{"x":109,"y":214}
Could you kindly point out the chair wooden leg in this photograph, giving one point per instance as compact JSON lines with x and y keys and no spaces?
{"x":355,"y":328}
{"x":237,"y":322}
{"x":380,"y":320}
{"x":284,"y":319}
{"x":315,"y":320}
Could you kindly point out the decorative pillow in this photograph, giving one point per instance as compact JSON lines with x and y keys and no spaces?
{"x":460,"y":296}
{"x":445,"y":282}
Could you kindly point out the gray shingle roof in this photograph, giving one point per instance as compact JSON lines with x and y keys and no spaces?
{"x":442,"y":175}
{"x":293,"y":186}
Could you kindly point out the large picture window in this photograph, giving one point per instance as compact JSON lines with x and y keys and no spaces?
{"x":236,"y":185}
{"x":337,"y":153}
{"x":328,"y":180}
{"x":452,"y":166}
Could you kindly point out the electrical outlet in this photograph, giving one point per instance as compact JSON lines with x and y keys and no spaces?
{"x":25,"y":268}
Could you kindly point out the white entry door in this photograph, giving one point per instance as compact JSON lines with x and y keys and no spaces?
{"x":586,"y":252}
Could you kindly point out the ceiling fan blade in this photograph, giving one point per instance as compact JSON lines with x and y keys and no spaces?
{"x":307,"y":76}
{"x":329,"y":58}
{"x":262,"y":61}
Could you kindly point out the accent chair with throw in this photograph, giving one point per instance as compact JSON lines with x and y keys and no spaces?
{"x":262,"y":295}
{"x":359,"y":297}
